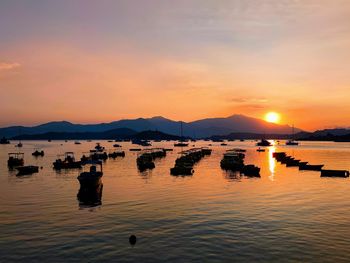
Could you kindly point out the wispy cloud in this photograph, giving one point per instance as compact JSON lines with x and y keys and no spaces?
{"x":8,"y":66}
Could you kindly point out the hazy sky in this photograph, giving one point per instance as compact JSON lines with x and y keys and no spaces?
{"x":102,"y":60}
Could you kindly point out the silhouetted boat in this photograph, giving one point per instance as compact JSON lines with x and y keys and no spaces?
{"x":67,"y":163}
{"x":99,"y":148}
{"x":311,"y":167}
{"x":334,"y":173}
{"x":93,"y":176}
{"x":292,"y":142}
{"x":4,"y":141}
{"x":181,"y":143}
{"x":25,"y":170}
{"x":251,"y":170}
{"x":263,"y":142}
{"x":76,"y":142}
{"x":260,"y":150}
{"x":15,"y":159}
{"x":19,"y":145}
{"x":116,"y":154}
{"x":38,"y":153}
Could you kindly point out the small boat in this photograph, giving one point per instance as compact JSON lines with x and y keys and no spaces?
{"x":232,"y":161}
{"x":99,"y":148}
{"x":67,"y":163}
{"x":334,"y":173}
{"x":25,"y":170}
{"x":90,"y":196}
{"x":116,"y":145}
{"x":181,"y":143}
{"x":116,"y":154}
{"x":4,"y":141}
{"x":260,"y":150}
{"x":145,"y":161}
{"x":223,"y":144}
{"x":93,"y":176}
{"x":76,"y":142}
{"x":251,"y":170}
{"x":292,"y":142}
{"x":181,"y":170}
{"x":38,"y":153}
{"x":134,"y":149}
{"x":263,"y":142}
{"x":19,"y":145}
{"x":110,"y":141}
{"x":15,"y":159}
{"x":311,"y":167}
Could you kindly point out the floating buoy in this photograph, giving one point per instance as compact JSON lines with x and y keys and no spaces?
{"x":132,"y":239}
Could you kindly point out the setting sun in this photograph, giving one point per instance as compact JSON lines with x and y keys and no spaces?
{"x":272,"y":117}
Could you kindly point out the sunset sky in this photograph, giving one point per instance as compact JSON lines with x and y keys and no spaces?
{"x":91,"y":61}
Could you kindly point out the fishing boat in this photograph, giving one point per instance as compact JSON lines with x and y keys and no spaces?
{"x":91,"y":176}
{"x":25,"y":170}
{"x":3,"y":140}
{"x":181,"y":143}
{"x":15,"y":159}
{"x":67,"y":163}
{"x":38,"y":153}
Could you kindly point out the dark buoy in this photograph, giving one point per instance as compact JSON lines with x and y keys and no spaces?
{"x":132,"y":240}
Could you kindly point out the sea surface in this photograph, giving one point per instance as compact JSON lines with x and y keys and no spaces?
{"x":287,"y":215}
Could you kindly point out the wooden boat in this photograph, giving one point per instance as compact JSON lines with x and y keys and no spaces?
{"x":251,"y":170}
{"x":311,"y":167}
{"x":334,"y":173}
{"x":25,"y":170}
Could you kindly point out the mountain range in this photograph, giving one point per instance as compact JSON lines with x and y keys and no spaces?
{"x":197,"y":129}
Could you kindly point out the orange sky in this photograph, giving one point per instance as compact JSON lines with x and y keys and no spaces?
{"x":99,"y":61}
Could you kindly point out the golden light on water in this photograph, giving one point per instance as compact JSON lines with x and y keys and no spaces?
{"x":273,"y":117}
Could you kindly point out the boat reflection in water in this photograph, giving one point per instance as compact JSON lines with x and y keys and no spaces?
{"x":90,"y":192}
{"x":90,"y":196}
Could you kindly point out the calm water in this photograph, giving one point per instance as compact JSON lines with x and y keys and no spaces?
{"x":212,"y":216}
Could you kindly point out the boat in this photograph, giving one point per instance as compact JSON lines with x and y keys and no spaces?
{"x":90,"y":196}
{"x":260,"y":150}
{"x":19,"y":145}
{"x":263,"y":142}
{"x":76,"y":142}
{"x":232,"y":161}
{"x":99,"y":148}
{"x":251,"y":170}
{"x":91,"y":176}
{"x":181,"y":143}
{"x":292,"y":142}
{"x":3,"y":140}
{"x":38,"y":153}
{"x":311,"y":167}
{"x":25,"y":170}
{"x":145,"y":161}
{"x":223,"y":144}
{"x":116,"y":154}
{"x":334,"y":173}
{"x":67,"y":163}
{"x":15,"y":159}
{"x":116,"y":145}
{"x":134,"y":149}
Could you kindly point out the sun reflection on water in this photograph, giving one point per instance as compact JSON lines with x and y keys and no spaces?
{"x":272,"y":164}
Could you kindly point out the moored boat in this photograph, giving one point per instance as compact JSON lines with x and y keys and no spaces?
{"x":26,"y":170}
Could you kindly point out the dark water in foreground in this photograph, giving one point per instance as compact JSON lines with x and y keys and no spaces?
{"x":213,"y":216}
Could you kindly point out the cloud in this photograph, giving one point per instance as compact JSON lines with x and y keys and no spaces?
{"x":8,"y":66}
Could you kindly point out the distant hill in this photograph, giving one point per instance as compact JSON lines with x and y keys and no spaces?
{"x":122,"y":133}
{"x":198,"y":129}
{"x":337,"y":135}
{"x":114,"y":134}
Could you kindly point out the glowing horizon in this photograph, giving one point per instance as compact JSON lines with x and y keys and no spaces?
{"x":100,"y":61}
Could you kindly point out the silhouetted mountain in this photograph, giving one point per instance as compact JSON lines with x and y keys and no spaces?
{"x":337,"y":135}
{"x":200,"y":128}
{"x":122,"y":133}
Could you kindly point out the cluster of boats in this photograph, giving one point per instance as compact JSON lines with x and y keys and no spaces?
{"x":290,"y":161}
{"x":145,"y":160}
{"x":233,"y":160}
{"x":184,"y":164}
{"x":16,"y":161}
